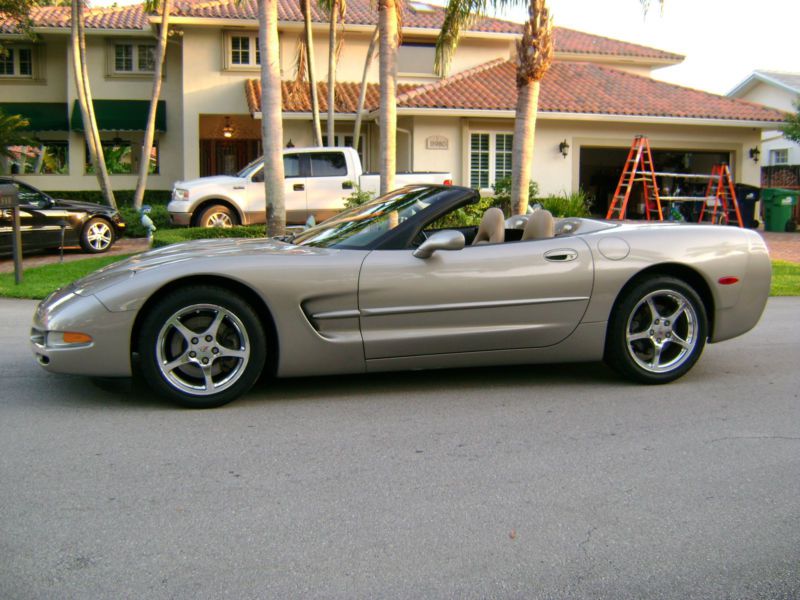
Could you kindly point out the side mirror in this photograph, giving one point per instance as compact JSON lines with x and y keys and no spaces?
{"x":441,"y":240}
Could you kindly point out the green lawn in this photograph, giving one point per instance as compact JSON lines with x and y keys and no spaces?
{"x":38,"y":282}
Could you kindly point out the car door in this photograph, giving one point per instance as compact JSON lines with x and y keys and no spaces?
{"x":487,"y":297}
{"x":329,"y":183}
{"x":294,"y":189}
{"x":40,"y":221}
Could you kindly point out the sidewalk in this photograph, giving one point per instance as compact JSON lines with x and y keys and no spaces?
{"x":782,"y":246}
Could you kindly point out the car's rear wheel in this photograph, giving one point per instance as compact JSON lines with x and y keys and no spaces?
{"x":657,"y":330}
{"x":202,"y":346}
{"x":218,"y":215}
{"x":97,"y":236}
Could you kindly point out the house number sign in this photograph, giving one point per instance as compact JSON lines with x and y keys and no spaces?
{"x":437,"y":142}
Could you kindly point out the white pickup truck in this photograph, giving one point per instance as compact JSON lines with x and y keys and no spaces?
{"x":317,"y":183}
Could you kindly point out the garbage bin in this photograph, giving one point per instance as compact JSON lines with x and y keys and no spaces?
{"x":778,"y":205}
{"x":746,"y":197}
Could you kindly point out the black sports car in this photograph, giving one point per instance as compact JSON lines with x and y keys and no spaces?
{"x":94,"y":226}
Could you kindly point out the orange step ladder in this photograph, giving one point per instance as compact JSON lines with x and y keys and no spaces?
{"x":722,"y":196}
{"x":638,"y":169}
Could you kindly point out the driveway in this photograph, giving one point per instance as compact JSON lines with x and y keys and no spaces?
{"x":524,"y":482}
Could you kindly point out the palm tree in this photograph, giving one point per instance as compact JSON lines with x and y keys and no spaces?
{"x":389,"y":12}
{"x":149,"y":132}
{"x":271,"y":116}
{"x":534,"y":55}
{"x":78,"y":38}
{"x":336,"y":9}
{"x":311,"y":69}
{"x":12,"y":134}
{"x":363,"y":95}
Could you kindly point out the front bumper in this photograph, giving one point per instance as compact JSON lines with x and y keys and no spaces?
{"x":183,"y":219}
{"x":109,"y":352}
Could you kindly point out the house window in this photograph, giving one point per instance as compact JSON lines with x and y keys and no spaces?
{"x":779,"y":156}
{"x":122,"y":157}
{"x":134,"y":58}
{"x":17,"y":62}
{"x":48,"y":158}
{"x":416,"y":58}
{"x":489,"y":158}
{"x":242,"y":50}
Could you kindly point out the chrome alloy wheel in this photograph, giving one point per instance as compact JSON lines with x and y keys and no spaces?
{"x":99,"y":236}
{"x":662,"y":331}
{"x":202,"y":349}
{"x":218,"y":219}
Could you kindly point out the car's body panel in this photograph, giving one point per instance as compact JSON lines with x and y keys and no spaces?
{"x":378,"y":307}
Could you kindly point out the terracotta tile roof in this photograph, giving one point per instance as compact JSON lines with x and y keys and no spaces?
{"x":359,"y":12}
{"x":128,"y":17}
{"x":582,"y":88}
{"x":296,"y":97}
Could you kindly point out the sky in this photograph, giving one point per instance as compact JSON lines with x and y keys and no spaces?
{"x":724,"y":41}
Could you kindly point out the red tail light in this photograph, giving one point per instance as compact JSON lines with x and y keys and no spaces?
{"x":448,"y":182}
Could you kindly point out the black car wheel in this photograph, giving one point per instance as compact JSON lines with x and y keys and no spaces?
{"x":202,"y":346}
{"x":97,"y":236}
{"x":218,"y":215}
{"x":657,"y":331}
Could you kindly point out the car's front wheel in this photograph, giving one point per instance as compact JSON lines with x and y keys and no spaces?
{"x":657,"y":330}
{"x":218,"y":215}
{"x":97,"y":236}
{"x":202,"y":346}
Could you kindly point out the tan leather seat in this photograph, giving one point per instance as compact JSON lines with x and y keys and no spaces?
{"x":492,"y":229}
{"x":541,"y":226}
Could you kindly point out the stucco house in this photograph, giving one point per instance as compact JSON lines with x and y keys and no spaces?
{"x":598,"y":95}
{"x":780,"y":158}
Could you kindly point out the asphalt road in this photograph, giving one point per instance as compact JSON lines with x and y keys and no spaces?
{"x":525,"y":482}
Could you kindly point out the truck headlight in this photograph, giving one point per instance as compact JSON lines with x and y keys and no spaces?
{"x":180,"y":195}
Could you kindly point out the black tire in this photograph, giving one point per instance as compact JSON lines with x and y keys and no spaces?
{"x":202,"y":346}
{"x":97,"y":236}
{"x":218,"y":215}
{"x":657,"y":330}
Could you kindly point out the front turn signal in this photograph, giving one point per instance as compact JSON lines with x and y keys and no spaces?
{"x":75,"y":337}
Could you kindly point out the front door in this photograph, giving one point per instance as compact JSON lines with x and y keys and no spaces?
{"x":488,"y":297}
{"x":328,"y":183}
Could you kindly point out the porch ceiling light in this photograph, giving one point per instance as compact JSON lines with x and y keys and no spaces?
{"x":227,"y":130}
{"x":755,"y":154}
{"x":563,"y":147}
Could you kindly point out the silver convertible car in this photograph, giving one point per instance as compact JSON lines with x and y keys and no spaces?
{"x":389,"y":285}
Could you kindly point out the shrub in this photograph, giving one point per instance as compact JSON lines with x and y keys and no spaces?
{"x":502,"y":193}
{"x":133,"y":219}
{"x":358,"y":197}
{"x":185,"y":234}
{"x":566,"y":205}
{"x":123,"y":197}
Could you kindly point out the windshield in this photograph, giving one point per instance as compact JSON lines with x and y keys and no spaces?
{"x":251,"y":168}
{"x":358,"y":227}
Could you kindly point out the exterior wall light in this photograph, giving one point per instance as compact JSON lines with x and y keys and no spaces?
{"x":563,"y":147}
{"x":227,"y":130}
{"x":755,"y":154}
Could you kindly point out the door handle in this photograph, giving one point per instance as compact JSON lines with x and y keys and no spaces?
{"x":561,"y":255}
{"x":238,"y":187}
{"x":298,"y":187}
{"x":347,"y":185}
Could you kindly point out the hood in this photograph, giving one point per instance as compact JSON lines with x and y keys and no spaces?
{"x":204,"y":181}
{"x":79,"y":205}
{"x":222,"y":251}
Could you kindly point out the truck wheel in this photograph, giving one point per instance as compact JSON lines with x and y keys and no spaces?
{"x":218,"y":215}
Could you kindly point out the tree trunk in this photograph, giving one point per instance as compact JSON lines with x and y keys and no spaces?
{"x":387,"y":21}
{"x":150,"y":129}
{"x":363,"y":95}
{"x":524,"y":134}
{"x":271,"y":116}
{"x":83,"y":89}
{"x":312,"y":77}
{"x":332,"y":73}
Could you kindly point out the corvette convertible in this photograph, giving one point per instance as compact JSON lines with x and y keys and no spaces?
{"x":395,"y":284}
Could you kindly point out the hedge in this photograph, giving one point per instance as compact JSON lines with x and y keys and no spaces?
{"x":174,"y":236}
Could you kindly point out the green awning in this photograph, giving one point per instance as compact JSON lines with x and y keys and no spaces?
{"x":41,"y":116}
{"x":121,"y":115}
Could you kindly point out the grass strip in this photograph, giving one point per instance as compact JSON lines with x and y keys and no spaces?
{"x":38,"y":282}
{"x":785,"y":278}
